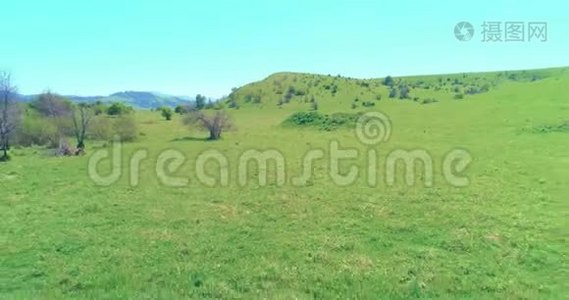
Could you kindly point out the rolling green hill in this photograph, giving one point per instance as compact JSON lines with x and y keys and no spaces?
{"x":339,"y":93}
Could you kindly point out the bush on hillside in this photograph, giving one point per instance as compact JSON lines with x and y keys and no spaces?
{"x":231,"y":103}
{"x":404,"y":92}
{"x":393,"y":93}
{"x":429,"y":101}
{"x":320,"y":121}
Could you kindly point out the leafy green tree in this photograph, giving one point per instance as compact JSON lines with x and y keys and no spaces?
{"x":200,"y":101}
{"x":166,"y":113}
{"x":119,"y":109}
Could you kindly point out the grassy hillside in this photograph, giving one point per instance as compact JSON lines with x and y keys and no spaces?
{"x":505,"y":235}
{"x":337,"y":93}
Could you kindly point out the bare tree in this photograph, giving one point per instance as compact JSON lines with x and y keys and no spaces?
{"x":82,"y":115}
{"x":9,"y":113}
{"x":215,"y":123}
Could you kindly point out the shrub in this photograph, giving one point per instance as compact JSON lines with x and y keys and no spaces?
{"x":119,"y":109}
{"x":334,"y":89}
{"x":125,"y":127}
{"x":403,"y":92}
{"x":214,"y":123}
{"x":429,"y":101}
{"x":564,"y":127}
{"x":37,"y":131}
{"x":99,"y":108}
{"x":289,"y":94}
{"x":166,"y":112}
{"x":300,"y":93}
{"x":459,"y":96}
{"x":101,"y":128}
{"x":323,"y":122}
{"x":231,"y":103}
{"x":180,"y":109}
{"x":393,"y":93}
{"x":252,"y":98}
{"x":472,"y":90}
{"x":305,"y":118}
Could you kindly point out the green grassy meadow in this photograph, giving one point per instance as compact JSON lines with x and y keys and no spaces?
{"x":505,"y":235}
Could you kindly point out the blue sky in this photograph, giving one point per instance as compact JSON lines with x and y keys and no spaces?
{"x":186,"y":47}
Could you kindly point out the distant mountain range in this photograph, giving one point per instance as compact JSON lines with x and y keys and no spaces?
{"x":141,"y":100}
